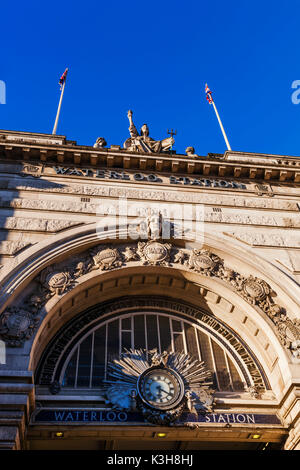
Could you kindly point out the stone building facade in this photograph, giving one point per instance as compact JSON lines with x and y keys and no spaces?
{"x":121,"y":263}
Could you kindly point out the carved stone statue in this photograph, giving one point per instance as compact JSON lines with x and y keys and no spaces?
{"x":142,"y":142}
{"x":100,"y":143}
{"x":190,"y":152}
{"x":154,"y":222}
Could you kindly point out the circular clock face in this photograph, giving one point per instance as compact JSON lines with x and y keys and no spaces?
{"x":161,"y":388}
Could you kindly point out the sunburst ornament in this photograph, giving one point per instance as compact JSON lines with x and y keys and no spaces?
{"x":160,"y":385}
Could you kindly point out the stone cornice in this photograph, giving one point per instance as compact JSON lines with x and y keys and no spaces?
{"x":44,"y":148}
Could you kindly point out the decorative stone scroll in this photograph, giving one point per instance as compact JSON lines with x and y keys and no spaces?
{"x":60,"y":278}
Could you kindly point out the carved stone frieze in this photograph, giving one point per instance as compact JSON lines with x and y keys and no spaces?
{"x":17,"y":325}
{"x":37,"y":224}
{"x":280,"y":238}
{"x":11,"y":247}
{"x":58,"y":279}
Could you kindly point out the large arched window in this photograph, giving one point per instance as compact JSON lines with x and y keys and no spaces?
{"x":79,"y":354}
{"x":86,"y":366}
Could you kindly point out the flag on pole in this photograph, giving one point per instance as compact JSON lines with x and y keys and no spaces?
{"x":208,"y":94}
{"x":62,"y":83}
{"x":211,"y":101}
{"x":63,"y":78}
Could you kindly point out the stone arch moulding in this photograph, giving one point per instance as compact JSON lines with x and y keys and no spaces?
{"x":48,"y":272}
{"x":25,"y":267}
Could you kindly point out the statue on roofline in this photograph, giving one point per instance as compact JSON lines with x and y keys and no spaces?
{"x":142,"y":142}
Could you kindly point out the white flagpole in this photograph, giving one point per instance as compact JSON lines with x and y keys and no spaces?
{"x":211,"y":101}
{"x":59,"y":107}
{"x":221,"y":125}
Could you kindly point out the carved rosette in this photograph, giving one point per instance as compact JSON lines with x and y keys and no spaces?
{"x":205,"y":262}
{"x":17,"y":325}
{"x":154,"y":253}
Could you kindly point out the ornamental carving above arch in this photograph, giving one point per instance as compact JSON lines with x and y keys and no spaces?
{"x":18,"y":324}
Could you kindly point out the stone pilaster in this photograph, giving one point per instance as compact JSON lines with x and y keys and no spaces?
{"x":290,"y":412}
{"x":16,"y":405}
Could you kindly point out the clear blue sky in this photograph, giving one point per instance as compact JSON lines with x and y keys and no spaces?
{"x":154,"y":58}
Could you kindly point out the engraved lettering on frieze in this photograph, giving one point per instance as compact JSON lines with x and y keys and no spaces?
{"x":31,"y":170}
{"x":263,"y":189}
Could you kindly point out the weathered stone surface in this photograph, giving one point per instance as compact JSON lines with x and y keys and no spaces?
{"x":12,"y":247}
{"x":244,"y":219}
{"x":131,"y":193}
{"x":40,"y":225}
{"x":289,"y":259}
{"x":267,"y":239}
{"x":50,"y":205}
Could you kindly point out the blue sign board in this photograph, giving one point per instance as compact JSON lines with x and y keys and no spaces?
{"x":96,"y":416}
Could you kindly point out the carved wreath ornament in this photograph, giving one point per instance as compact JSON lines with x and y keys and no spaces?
{"x":60,"y":278}
{"x":160,"y":386}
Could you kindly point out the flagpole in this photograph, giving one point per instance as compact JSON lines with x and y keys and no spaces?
{"x":62,"y":82}
{"x":211,"y":101}
{"x":221,"y":125}
{"x":59,"y":107}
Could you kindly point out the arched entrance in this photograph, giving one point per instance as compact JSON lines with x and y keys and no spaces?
{"x":212,"y":304}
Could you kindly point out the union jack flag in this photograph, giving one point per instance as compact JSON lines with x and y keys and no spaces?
{"x":208,"y":94}
{"x":63,"y":78}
